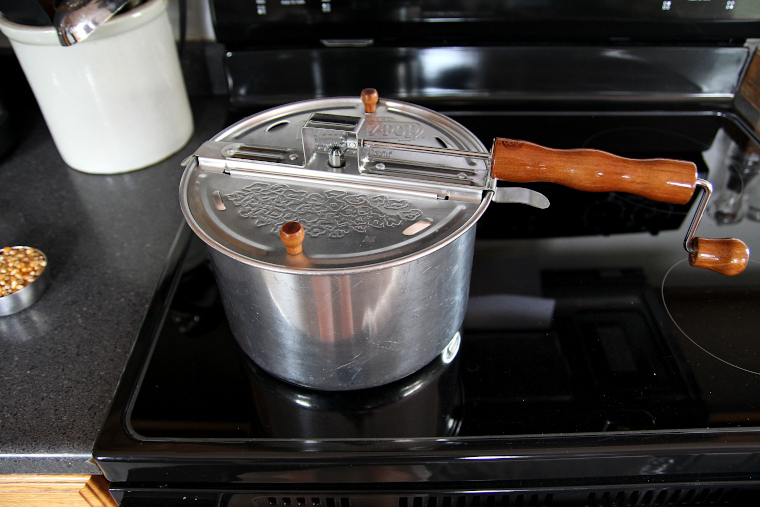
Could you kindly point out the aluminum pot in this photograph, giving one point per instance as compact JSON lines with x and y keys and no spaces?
{"x":341,"y":231}
{"x":380,"y":288}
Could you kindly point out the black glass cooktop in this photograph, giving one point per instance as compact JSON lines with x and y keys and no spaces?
{"x":601,"y":354}
{"x":577,"y":345}
{"x":603,"y":360}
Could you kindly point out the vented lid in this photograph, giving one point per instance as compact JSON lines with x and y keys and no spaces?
{"x":314,"y":162}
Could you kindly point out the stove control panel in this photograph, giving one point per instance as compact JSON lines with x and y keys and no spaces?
{"x":415,"y":22}
{"x":460,"y":10}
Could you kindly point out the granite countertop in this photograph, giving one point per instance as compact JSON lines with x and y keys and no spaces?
{"x":106,"y":238}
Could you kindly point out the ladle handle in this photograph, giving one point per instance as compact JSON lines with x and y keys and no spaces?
{"x":727,"y":256}
{"x":594,"y":171}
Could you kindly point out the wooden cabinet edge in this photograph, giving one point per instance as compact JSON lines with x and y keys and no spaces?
{"x":29,"y":490}
{"x":96,"y":493}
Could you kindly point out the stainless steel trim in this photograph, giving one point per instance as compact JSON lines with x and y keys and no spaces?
{"x":688,"y":242}
{"x":519,"y":195}
{"x":425,"y":149}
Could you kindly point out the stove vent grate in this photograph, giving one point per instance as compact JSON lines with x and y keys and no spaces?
{"x":462,"y":500}
{"x":664,"y":497}
{"x":301,"y":501}
{"x":479,"y":500}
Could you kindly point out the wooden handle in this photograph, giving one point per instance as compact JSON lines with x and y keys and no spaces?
{"x":370,"y":98}
{"x":727,"y":256}
{"x":292,"y":234}
{"x":594,"y":171}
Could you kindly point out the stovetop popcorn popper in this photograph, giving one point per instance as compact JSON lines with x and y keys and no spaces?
{"x":342,"y":230}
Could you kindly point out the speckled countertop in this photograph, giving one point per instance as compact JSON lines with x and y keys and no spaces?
{"x":106,"y":238}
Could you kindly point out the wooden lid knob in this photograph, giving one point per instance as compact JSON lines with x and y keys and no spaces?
{"x":370,"y":98}
{"x":727,"y":256}
{"x":292,"y":234}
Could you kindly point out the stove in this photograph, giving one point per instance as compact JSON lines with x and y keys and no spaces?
{"x":595,"y":366}
{"x":586,"y":371}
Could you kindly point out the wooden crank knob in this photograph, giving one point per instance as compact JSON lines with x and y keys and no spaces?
{"x":370,"y":98}
{"x":727,"y":256}
{"x":292,"y":234}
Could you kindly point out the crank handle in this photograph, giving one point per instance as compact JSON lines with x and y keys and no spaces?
{"x":664,"y":180}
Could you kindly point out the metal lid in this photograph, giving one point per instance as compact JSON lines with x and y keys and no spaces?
{"x":314,"y":162}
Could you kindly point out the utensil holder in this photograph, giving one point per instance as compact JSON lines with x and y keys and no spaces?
{"x":114,"y":102}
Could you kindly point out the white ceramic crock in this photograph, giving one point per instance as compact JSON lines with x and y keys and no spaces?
{"x":114,"y":102}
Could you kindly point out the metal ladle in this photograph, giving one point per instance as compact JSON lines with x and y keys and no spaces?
{"x":75,"y":20}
